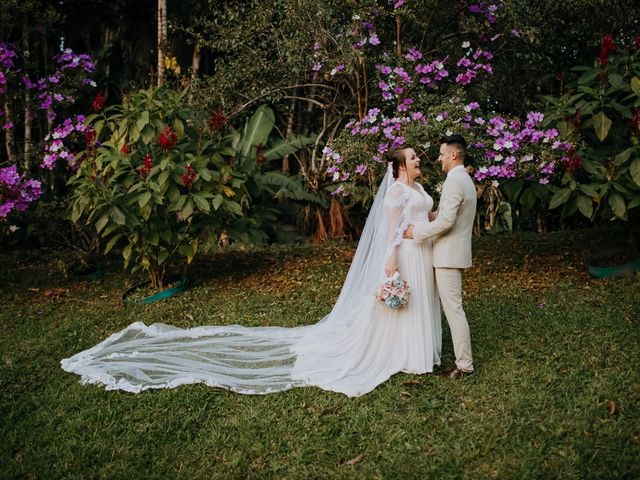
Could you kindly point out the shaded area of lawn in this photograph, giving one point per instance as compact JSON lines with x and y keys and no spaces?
{"x":556,"y":393}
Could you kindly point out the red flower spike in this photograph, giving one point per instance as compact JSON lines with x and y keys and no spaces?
{"x":90,"y":137}
{"x":125,"y":149}
{"x":189,"y":176}
{"x":217,"y":121}
{"x":98,"y":103}
{"x":606,"y":48}
{"x":168,"y":139}
{"x":145,"y":169}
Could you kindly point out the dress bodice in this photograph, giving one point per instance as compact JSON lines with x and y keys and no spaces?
{"x":405,"y":205}
{"x":418,"y":205}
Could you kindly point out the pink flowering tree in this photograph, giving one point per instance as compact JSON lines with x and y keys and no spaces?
{"x":421,"y":96}
{"x":46,"y":99}
{"x":51,"y":95}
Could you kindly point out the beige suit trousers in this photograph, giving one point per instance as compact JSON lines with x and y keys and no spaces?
{"x":449,"y":282}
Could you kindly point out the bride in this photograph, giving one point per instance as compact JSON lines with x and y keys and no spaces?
{"x":357,"y":346}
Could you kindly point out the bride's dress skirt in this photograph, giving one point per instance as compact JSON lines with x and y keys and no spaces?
{"x":381,"y":341}
{"x":349,"y":357}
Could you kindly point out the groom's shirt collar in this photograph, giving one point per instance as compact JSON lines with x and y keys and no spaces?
{"x":457,"y":167}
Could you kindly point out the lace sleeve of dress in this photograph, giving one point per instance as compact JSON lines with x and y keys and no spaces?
{"x":394,"y":203}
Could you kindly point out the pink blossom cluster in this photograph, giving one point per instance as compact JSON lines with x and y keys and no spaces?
{"x":385,"y":132}
{"x":364,"y":31}
{"x":514,"y":149}
{"x":52,"y":89}
{"x":7,"y":54}
{"x":502,"y":148}
{"x":55,"y":147}
{"x":428,"y":73}
{"x":16,"y":193}
{"x":488,"y":9}
{"x":473,"y":64}
{"x":391,"y":129}
{"x":70,"y":60}
{"x":72,"y":67}
{"x":395,"y":82}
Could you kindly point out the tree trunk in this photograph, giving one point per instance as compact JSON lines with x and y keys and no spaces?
{"x":162,"y":38}
{"x":45,"y":50}
{"x":9,"y":139}
{"x":156,"y":277}
{"x":108,"y":42}
{"x":398,"y":37}
{"x":27,"y":96}
{"x":285,"y":159}
{"x":195,"y":61}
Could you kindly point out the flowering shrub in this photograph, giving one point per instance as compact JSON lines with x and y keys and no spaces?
{"x":152,"y":183}
{"x":59,"y":89}
{"x":53,"y":92}
{"x":419,"y":98}
{"x":7,"y":66}
{"x":600,"y":113}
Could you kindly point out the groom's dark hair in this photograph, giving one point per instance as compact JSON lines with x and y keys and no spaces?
{"x":456,"y":140}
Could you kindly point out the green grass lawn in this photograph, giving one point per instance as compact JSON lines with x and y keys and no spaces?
{"x":556,"y":392}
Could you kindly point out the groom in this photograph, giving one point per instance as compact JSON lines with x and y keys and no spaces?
{"x":451,"y":232}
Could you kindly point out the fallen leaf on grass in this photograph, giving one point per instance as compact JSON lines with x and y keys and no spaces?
{"x":612,"y":407}
{"x":56,"y":293}
{"x":412,"y":382}
{"x":355,"y":459}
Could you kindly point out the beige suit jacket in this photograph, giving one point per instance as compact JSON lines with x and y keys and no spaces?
{"x":452,"y":229}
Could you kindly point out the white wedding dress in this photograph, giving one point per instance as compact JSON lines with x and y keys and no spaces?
{"x":359,"y":345}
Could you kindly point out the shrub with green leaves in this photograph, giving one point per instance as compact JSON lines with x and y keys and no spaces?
{"x":153,"y":181}
{"x":600,"y":113}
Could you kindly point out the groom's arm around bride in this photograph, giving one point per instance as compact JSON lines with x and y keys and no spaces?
{"x":451,"y":231}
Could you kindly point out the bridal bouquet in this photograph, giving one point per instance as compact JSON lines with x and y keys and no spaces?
{"x":393,"y":292}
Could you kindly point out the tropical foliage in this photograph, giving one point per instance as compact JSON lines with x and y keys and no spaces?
{"x":151,"y":182}
{"x":600,"y":112}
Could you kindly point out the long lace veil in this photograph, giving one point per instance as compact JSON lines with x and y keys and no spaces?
{"x":247,"y":360}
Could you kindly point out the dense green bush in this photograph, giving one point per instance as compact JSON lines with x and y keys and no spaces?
{"x":600,"y":113}
{"x":152,"y":181}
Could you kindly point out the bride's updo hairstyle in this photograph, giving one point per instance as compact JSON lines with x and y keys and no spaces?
{"x":397,"y":158}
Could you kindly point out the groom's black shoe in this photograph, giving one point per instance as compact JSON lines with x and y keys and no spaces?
{"x":455,"y":373}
